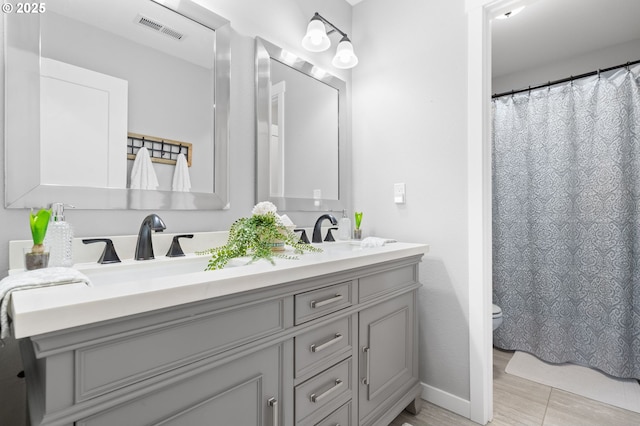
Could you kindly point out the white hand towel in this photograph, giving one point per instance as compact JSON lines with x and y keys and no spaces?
{"x":142,"y":174}
{"x":34,"y":279}
{"x":181,"y":180}
{"x":376,"y":242}
{"x":286,"y":221}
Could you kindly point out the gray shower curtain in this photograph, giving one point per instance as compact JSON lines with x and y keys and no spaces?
{"x":566,"y":222}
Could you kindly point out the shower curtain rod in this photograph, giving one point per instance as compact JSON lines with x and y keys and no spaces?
{"x":564,"y":80}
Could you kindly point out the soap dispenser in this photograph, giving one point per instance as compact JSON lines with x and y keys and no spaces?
{"x":344,"y":227}
{"x":59,"y":238}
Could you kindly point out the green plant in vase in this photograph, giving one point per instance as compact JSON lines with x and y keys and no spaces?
{"x":38,"y":258}
{"x":263,"y":235}
{"x":357,"y":232}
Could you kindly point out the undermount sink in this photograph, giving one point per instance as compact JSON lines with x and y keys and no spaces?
{"x":129,"y":270}
{"x":339,"y":246}
{"x":161,"y":266}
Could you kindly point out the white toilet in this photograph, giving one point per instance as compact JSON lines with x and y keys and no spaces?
{"x":497,"y":316}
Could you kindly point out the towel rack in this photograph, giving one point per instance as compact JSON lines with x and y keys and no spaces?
{"x":164,"y":151}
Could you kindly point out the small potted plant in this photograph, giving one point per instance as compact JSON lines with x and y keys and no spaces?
{"x":37,"y":257}
{"x":263,"y":235}
{"x":357,"y":232}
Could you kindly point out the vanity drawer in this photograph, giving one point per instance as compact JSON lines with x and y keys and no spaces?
{"x":320,"y":395}
{"x":316,"y":303}
{"x":317,"y":347}
{"x":340,"y":417}
{"x":384,"y":282}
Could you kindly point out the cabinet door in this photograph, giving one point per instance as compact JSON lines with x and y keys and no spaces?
{"x":386,"y":352}
{"x":241,"y":392}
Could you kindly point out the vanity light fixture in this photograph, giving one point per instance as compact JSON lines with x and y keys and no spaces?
{"x":317,"y":40}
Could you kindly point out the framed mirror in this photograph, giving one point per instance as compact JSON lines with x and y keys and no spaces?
{"x":301,"y":132}
{"x":89,"y":83}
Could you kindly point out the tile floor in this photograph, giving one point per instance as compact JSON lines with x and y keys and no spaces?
{"x":522,"y":402}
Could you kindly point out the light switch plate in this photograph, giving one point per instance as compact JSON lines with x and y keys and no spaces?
{"x":399,"y":193}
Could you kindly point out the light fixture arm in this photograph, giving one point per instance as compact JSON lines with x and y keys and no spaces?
{"x":333,"y":27}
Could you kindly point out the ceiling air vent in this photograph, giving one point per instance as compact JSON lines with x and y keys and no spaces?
{"x":159,"y":27}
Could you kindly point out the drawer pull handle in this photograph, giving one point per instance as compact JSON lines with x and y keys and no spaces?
{"x":325,"y":345}
{"x":273,"y":403}
{"x":326,"y":302}
{"x":366,"y":351}
{"x":318,"y":398}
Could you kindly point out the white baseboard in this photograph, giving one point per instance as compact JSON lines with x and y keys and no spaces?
{"x":446,"y":400}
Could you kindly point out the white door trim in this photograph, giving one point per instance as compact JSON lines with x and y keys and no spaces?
{"x":479,"y":15}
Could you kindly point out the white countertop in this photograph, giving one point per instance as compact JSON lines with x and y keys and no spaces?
{"x":49,"y":309}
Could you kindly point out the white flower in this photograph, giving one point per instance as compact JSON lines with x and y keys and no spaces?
{"x":263,"y":208}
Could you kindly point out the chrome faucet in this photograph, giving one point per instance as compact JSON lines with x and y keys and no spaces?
{"x":317,"y":228}
{"x":144,"y":246}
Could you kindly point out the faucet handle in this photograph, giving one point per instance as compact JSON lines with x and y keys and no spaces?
{"x":329,"y":236}
{"x":175,"y":250}
{"x":303,"y":236}
{"x":109,"y":254}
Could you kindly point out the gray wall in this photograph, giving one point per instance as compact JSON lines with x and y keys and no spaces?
{"x":575,"y":65}
{"x":409,"y":126}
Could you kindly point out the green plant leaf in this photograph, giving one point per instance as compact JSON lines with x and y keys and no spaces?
{"x":253,"y":236}
{"x":39,"y":223}
{"x":358,"y":216}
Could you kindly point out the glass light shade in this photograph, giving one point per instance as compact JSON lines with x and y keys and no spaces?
{"x":316,"y":39}
{"x":345,"y":58}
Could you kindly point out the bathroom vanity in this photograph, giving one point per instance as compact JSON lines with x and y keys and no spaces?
{"x":327,"y":339}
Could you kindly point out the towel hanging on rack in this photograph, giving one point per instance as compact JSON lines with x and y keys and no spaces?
{"x":142,"y":174}
{"x":181,"y":180}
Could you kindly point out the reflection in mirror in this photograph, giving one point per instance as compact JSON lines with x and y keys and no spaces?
{"x":300,"y":132}
{"x":108,"y":70}
{"x":304,"y":123}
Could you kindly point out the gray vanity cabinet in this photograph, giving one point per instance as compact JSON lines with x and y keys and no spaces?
{"x":241,"y":392}
{"x":387,"y":355}
{"x":339,"y":348}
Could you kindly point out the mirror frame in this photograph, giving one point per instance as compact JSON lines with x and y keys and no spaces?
{"x":265,"y":52}
{"x":22,"y":99}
